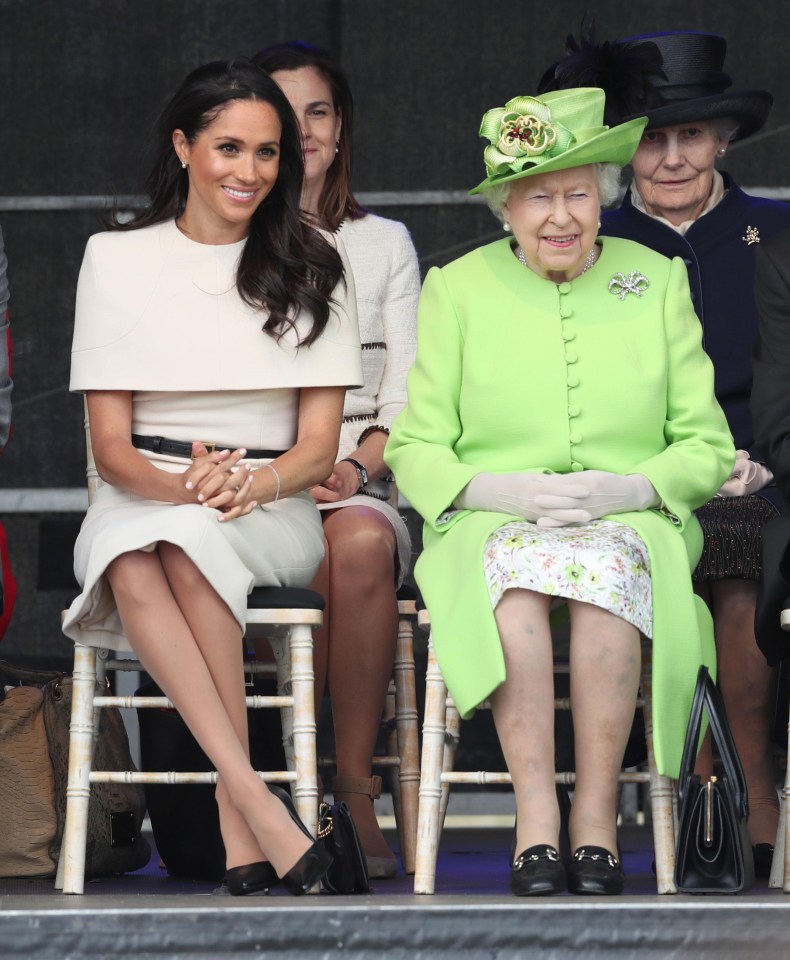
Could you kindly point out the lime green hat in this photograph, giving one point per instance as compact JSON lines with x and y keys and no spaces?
{"x":554,"y":131}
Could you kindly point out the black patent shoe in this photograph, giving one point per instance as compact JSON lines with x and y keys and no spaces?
{"x":537,"y":872}
{"x":307,"y":871}
{"x":314,"y":862}
{"x":250,"y":878}
{"x":763,"y":859}
{"x":594,"y":870}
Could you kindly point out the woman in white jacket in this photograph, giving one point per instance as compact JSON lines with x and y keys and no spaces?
{"x":367,"y":543}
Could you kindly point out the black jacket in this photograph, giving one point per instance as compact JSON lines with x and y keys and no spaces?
{"x":771,"y":417}
{"x":720,"y":262}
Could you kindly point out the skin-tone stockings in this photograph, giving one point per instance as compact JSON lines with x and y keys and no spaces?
{"x":605,"y":662}
{"x":188,"y":641}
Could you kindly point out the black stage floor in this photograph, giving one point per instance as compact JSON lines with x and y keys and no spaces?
{"x":150,"y":915}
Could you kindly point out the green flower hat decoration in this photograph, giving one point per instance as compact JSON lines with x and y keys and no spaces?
{"x":556,"y":131}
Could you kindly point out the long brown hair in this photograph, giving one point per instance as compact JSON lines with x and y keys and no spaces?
{"x":286,"y":265}
{"x":336,"y":203}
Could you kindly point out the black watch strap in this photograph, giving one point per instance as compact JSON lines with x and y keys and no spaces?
{"x":361,"y":471}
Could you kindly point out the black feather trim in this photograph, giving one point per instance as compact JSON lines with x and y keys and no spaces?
{"x":625,"y":71}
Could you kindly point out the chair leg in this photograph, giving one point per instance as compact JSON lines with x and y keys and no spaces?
{"x":781,"y":862}
{"x":433,"y":748}
{"x":388,"y":725}
{"x":302,"y":681}
{"x":452,"y":736}
{"x":661,"y":790}
{"x":71,"y":865}
{"x":778,"y":870}
{"x":407,"y":725}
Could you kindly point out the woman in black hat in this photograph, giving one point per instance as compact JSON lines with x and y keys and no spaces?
{"x":682,"y":206}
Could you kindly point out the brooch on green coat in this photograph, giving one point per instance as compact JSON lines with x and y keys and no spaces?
{"x":636,"y":283}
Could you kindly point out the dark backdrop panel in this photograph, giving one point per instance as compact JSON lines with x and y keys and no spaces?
{"x":81,"y":82}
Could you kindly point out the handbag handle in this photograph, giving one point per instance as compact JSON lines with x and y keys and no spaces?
{"x":707,"y":696}
{"x":28,"y":677}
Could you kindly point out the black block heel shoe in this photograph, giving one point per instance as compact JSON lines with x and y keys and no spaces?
{"x":763,"y":859}
{"x":250,"y":878}
{"x":314,"y":862}
{"x":538,"y":872}
{"x":593,"y":870}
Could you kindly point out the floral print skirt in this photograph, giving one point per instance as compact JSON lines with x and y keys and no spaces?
{"x":603,"y":562}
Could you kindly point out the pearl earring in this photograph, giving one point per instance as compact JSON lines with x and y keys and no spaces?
{"x":337,"y":146}
{"x":506,"y":227}
{"x":183,"y":164}
{"x":721,"y":152}
{"x":599,"y":224}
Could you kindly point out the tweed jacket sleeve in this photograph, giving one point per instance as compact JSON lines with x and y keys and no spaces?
{"x":770,"y":400}
{"x":399,"y":320}
{"x":420,"y":449}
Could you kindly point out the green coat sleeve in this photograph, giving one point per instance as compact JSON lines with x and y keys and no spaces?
{"x":700,"y":453}
{"x":420,"y":450}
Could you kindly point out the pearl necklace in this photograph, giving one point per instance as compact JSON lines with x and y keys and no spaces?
{"x":588,"y":261}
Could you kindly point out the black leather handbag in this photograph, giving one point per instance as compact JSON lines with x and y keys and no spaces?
{"x":713,"y":853}
{"x":338,"y":834}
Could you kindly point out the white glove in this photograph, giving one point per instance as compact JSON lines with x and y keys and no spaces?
{"x":747,"y":477}
{"x":516,"y":493}
{"x":602,"y":493}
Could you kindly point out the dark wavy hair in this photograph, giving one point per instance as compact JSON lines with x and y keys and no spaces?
{"x":337,"y":203}
{"x":286,"y":266}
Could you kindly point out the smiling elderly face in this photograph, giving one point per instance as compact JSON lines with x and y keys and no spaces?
{"x":554,"y":217}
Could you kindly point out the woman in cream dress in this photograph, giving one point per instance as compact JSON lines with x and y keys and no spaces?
{"x":214,"y":338}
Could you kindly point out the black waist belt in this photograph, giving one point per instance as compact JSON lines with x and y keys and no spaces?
{"x":182,"y":448}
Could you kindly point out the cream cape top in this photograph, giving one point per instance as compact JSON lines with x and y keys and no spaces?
{"x":157,"y":311}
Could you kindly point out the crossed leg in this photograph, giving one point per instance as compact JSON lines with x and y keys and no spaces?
{"x":188,"y":641}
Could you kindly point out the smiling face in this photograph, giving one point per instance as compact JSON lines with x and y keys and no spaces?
{"x":310,"y":96}
{"x":554,"y":217}
{"x":232,"y":166}
{"x":673,"y":169}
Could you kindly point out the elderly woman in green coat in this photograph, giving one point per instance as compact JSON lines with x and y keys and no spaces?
{"x":560,"y":429}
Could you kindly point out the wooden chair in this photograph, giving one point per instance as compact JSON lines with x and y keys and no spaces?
{"x":441,"y":732}
{"x":780,"y":865}
{"x":286,"y":617}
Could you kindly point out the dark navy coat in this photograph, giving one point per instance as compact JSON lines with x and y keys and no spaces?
{"x":720,"y":260}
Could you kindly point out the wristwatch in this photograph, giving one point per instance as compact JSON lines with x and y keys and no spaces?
{"x":361,"y":471}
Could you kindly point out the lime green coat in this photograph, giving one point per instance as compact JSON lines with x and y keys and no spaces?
{"x":514,"y":372}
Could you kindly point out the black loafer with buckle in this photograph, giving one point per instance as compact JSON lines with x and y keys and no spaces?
{"x":594,"y":870}
{"x":538,"y":872}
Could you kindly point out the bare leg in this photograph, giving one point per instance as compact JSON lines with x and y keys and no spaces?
{"x":362,"y":633}
{"x":605,"y":665}
{"x":523,"y":709}
{"x":745,"y":681}
{"x":161,"y":637}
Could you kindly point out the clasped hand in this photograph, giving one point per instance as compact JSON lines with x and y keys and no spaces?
{"x":558,"y":500}
{"x":747,"y":477}
{"x":217,"y":481}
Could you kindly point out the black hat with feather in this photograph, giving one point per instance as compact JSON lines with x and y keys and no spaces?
{"x":671,"y":78}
